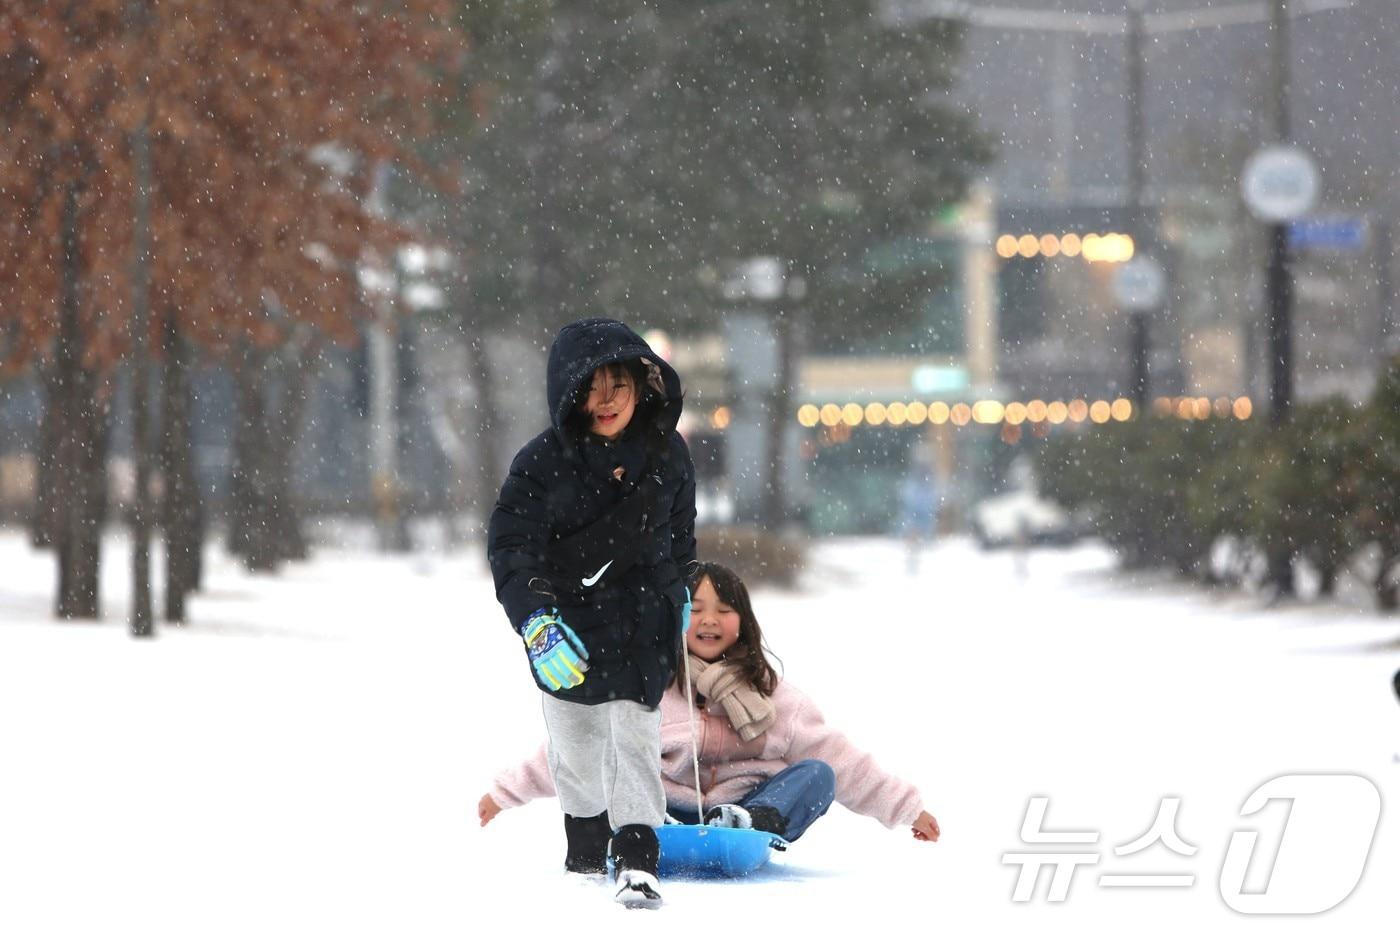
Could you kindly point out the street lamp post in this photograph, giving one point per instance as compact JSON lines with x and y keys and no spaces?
{"x":1277,"y":282}
{"x":1140,"y":287}
{"x":1138,"y":350}
{"x":383,"y":279}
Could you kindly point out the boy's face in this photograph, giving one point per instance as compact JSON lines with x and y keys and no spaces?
{"x":612,"y":398}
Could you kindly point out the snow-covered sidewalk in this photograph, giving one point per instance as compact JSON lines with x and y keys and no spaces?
{"x":308,"y":752}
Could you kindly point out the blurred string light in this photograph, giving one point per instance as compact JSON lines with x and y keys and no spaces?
{"x":988,"y":412}
{"x":1193,"y":408}
{"x":1094,"y":247}
{"x":720,"y":418}
{"x":1039,"y":414}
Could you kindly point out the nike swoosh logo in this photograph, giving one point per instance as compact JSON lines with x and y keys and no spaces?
{"x":589,"y":581}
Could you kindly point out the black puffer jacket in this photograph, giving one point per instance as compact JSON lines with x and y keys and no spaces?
{"x":561,"y":486}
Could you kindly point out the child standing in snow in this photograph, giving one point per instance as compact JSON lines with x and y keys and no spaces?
{"x":589,"y":544}
{"x":767,"y":758}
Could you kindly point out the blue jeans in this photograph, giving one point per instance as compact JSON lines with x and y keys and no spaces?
{"x":801,"y":793}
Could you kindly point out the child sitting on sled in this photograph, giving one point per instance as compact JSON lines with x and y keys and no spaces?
{"x":768,"y":760}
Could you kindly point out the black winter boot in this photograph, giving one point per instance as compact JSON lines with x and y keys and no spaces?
{"x":635,"y":854}
{"x":769,"y":820}
{"x":733,"y":816}
{"x":588,"y":838}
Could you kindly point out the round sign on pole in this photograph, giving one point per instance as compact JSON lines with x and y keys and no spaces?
{"x":1279,"y":184}
{"x":1140,"y":284}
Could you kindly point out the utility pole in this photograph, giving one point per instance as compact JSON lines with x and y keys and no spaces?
{"x":1137,"y":142}
{"x":1388,"y":325}
{"x":1137,"y":182}
{"x":1062,"y":84}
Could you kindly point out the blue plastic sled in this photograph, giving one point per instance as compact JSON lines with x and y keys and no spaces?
{"x":714,"y":851}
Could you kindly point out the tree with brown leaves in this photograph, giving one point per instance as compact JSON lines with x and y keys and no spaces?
{"x":264,"y":125}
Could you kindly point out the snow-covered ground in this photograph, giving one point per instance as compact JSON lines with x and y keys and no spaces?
{"x":307,"y":754}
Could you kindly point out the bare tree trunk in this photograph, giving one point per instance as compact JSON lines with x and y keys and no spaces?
{"x":79,"y":465}
{"x":265,"y":528}
{"x":42,"y":530}
{"x":1386,"y":588}
{"x":250,"y":519}
{"x":1327,"y":579}
{"x":1279,"y":555}
{"x":141,"y":621}
{"x":182,"y":512}
{"x":295,"y":372}
{"x":487,"y":443}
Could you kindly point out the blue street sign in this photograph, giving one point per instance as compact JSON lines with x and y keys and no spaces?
{"x":1344,"y":234}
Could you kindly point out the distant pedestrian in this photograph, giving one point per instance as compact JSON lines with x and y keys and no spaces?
{"x":590,"y":544}
{"x":919,"y":504}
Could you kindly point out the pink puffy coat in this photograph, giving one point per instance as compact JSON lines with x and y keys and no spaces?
{"x":730,"y":767}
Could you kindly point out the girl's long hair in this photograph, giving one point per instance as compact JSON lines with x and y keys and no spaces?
{"x":750,"y":653}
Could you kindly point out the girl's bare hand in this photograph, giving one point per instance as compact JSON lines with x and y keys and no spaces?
{"x":925,"y":828}
{"x":487,"y":809}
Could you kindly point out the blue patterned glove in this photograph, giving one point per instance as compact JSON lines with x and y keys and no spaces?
{"x":555,"y":651}
{"x":685,"y":613}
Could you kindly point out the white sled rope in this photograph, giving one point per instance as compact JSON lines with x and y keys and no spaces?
{"x":694,"y":734}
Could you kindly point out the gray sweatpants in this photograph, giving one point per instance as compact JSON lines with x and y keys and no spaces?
{"x":606,"y":757}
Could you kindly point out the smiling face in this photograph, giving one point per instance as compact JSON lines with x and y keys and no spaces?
{"x":612,"y":399}
{"x":714,"y":624}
